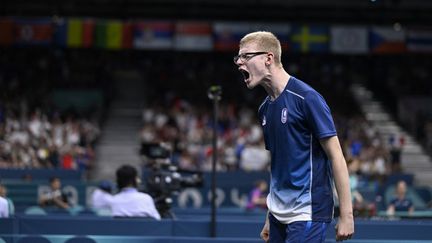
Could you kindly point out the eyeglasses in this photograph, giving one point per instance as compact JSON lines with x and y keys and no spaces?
{"x":244,"y":57}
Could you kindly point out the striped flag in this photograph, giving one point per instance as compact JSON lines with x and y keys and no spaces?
{"x":387,"y":40}
{"x":153,"y":35}
{"x":80,"y":32}
{"x":349,"y":39}
{"x":74,"y":32}
{"x":193,"y":36}
{"x":113,"y":34}
{"x":419,"y":40}
{"x":33,"y":31}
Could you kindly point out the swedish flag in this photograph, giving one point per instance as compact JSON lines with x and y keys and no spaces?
{"x":308,"y":38}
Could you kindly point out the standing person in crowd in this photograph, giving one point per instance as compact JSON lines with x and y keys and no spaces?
{"x":305,"y":152}
{"x":101,"y":196}
{"x":10,"y":204}
{"x":257,"y":197}
{"x":129,"y":202}
{"x":400,"y":203}
{"x":4,"y":204}
{"x":4,"y":208}
{"x":55,"y":197}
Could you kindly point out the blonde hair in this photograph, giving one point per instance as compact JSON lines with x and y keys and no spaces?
{"x":266,"y":41}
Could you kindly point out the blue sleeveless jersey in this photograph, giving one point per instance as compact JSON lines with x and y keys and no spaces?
{"x":301,"y":174}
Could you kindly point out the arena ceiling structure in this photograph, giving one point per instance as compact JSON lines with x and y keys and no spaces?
{"x":346,"y":11}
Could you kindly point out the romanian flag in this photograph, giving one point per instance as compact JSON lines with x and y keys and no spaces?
{"x":33,"y":31}
{"x":74,"y":32}
{"x":6,"y":32}
{"x":113,"y":34}
{"x":308,"y":38}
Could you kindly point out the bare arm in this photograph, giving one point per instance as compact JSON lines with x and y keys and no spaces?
{"x":265,"y":232}
{"x":60,"y":203}
{"x":345,"y":226}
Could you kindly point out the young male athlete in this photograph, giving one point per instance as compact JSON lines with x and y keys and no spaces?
{"x":306,"y":155}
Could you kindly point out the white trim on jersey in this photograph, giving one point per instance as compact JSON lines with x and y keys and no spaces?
{"x":289,"y":91}
{"x":311,"y":172}
{"x":259,"y":108}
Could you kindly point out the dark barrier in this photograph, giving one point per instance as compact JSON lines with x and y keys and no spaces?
{"x":93,"y":226}
{"x":143,"y":239}
{"x":62,"y":225}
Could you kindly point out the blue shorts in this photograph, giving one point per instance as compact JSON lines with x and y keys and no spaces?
{"x":297,"y":232}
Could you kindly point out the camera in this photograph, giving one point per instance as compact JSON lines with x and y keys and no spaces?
{"x":164,"y":180}
{"x":155,"y":151}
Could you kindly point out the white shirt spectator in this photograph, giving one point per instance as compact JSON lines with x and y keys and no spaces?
{"x":35,"y":127}
{"x":4,"y":208}
{"x":101,"y":199}
{"x":131,"y":203}
{"x":254,"y":158}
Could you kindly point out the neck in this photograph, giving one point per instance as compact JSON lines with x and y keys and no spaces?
{"x":276,"y":82}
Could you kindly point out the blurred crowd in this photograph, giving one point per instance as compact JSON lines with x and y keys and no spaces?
{"x":188,"y":130}
{"x":36,"y":139}
{"x":31,"y":75}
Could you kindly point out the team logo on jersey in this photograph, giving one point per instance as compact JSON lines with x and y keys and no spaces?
{"x":264,"y":121}
{"x":284,"y":115}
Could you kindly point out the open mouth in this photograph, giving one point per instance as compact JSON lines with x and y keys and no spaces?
{"x":245,"y":74}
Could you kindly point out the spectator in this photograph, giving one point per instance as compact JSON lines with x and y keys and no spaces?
{"x":128,"y":202}
{"x":101,"y":196}
{"x":396,"y":144}
{"x":10,"y":205}
{"x":361,"y":206}
{"x":55,"y":196}
{"x":4,"y":209}
{"x":400,"y":203}
{"x":258,"y":196}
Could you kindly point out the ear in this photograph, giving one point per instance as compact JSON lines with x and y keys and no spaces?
{"x":270,"y":58}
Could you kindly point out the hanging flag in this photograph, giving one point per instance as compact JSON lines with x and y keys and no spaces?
{"x":305,"y":38}
{"x":74,"y":32}
{"x":227,"y":35}
{"x":349,"y":39}
{"x":80,"y":32}
{"x":153,"y":35}
{"x":419,"y":39}
{"x":386,"y":40}
{"x":280,"y":30}
{"x":6,"y":32}
{"x":113,"y":34}
{"x":193,"y":36}
{"x":33,"y":31}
